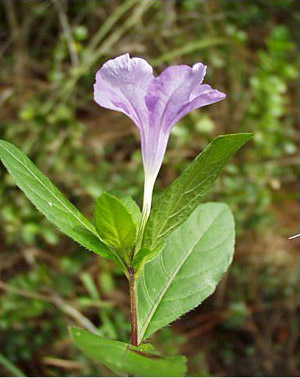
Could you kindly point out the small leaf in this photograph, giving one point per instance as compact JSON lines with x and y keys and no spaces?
{"x":130,"y":204}
{"x":188,"y":269}
{"x":182,"y":197}
{"x":125,"y":359}
{"x":50,"y":201}
{"x":115,"y":225}
{"x":143,"y":256}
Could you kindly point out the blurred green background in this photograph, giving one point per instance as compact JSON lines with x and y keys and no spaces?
{"x":50,"y":52}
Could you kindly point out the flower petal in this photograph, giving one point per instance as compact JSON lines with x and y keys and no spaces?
{"x":122,"y":84}
{"x":201,"y":96}
{"x":170,"y":91}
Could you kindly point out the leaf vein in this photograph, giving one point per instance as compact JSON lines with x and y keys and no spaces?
{"x":162,"y":293}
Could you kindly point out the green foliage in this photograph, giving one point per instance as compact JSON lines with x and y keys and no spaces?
{"x":188,"y":269}
{"x":115,"y":225}
{"x":131,"y":206}
{"x":49,"y":200}
{"x":143,"y":256}
{"x":251,"y":49}
{"x":184,"y":194}
{"x":125,"y":359}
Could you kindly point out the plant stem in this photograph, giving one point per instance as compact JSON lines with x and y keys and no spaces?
{"x":133,"y":313}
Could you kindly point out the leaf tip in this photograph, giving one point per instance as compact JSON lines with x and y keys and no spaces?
{"x":74,"y":332}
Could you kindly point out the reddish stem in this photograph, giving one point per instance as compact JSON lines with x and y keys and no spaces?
{"x":133,"y":313}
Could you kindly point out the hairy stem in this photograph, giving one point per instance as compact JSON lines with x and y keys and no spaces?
{"x":133,"y":309}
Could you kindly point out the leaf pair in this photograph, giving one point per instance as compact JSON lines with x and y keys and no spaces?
{"x":116,"y":218}
{"x":186,"y":248}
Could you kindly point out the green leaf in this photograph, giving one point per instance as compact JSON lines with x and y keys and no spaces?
{"x":125,"y":359}
{"x":143,"y":256}
{"x":115,"y":225}
{"x":50,"y":201}
{"x":130,"y":204}
{"x":188,"y":269}
{"x":182,"y":197}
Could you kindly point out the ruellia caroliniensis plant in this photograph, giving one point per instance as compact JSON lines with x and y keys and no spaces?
{"x":173,"y":254}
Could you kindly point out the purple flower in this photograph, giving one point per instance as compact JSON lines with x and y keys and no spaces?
{"x":155,"y":104}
